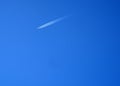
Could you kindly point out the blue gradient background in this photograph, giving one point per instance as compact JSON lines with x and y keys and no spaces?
{"x":82,"y":50}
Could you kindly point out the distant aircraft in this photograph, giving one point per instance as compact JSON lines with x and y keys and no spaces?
{"x":51,"y":22}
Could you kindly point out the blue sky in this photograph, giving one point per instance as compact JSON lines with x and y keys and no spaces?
{"x":81,"y":50}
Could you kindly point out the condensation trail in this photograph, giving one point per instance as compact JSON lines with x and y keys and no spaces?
{"x":51,"y":23}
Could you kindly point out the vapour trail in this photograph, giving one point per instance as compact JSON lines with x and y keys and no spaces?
{"x":51,"y":22}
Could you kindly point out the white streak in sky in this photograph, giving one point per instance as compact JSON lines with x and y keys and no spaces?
{"x":51,"y":23}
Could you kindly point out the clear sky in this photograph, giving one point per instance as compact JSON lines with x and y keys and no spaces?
{"x":80,"y":50}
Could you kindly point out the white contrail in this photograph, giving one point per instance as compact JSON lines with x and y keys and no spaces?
{"x":51,"y":23}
